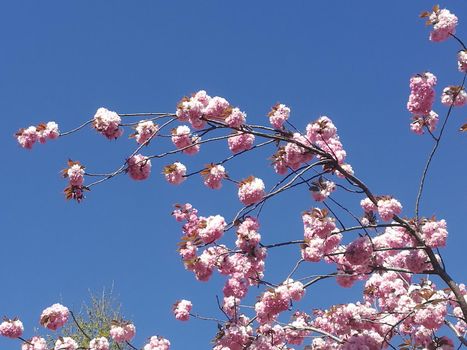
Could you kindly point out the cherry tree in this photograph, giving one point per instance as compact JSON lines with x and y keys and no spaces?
{"x":409,"y":296}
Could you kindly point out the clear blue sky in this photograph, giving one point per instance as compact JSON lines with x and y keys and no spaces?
{"x":62,"y":60}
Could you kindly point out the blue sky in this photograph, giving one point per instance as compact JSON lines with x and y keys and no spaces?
{"x":62,"y":60}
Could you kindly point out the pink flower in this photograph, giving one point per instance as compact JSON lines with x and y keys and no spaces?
{"x":368,"y":206}
{"x":278,"y":115}
{"x":444,"y":23}
{"x":48,"y":131}
{"x":247,"y":234}
{"x":54,"y":316}
{"x":75,"y":174}
{"x":236,"y":118}
{"x":388,"y":207}
{"x":139,"y":167}
{"x":322,"y":189}
{"x":35,"y":343}
{"x":175,"y":173}
{"x":240,"y":141}
{"x":359,"y":251}
{"x":157,"y":343}
{"x":11,"y":328}
{"x":434,"y":232}
{"x":181,"y":136}
{"x":418,"y":122}
{"x":454,"y":95}
{"x":462,"y":61}
{"x":218,"y":108}
{"x":27,"y":137}
{"x":213,"y":176}
{"x":422,"y":93}
{"x":181,"y":310}
{"x":211,"y":228}
{"x":251,"y":190}
{"x":66,"y":343}
{"x":107,"y":123}
{"x":99,"y":344}
{"x":145,"y":130}
{"x":122,"y":331}
{"x":321,"y":130}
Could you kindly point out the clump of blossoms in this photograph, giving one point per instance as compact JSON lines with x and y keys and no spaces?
{"x":157,"y":343}
{"x":240,"y":141}
{"x":41,"y":133}
{"x":35,"y":343}
{"x":175,"y":173}
{"x":386,"y":207}
{"x":236,"y":118}
{"x":54,"y":316}
{"x":182,"y":139}
{"x":211,"y":228}
{"x":107,"y":123}
{"x":454,"y":95}
{"x":139,"y":167}
{"x":213,"y":176}
{"x":181,"y":310}
{"x":251,"y":190}
{"x":145,"y":130}
{"x":11,"y":328}
{"x":421,"y":98}
{"x":323,"y":133}
{"x":66,"y":343}
{"x":444,"y":23}
{"x":99,"y":344}
{"x":321,"y":189}
{"x":278,"y":115}
{"x":462,"y":61}
{"x":75,"y":175}
{"x":122,"y":331}
{"x":235,"y":335}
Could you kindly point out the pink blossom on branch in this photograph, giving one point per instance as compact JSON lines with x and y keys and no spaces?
{"x":35,"y":343}
{"x":107,"y":123}
{"x":66,"y":343}
{"x":175,"y":173}
{"x":454,"y":95}
{"x":122,"y":331}
{"x":42,"y":132}
{"x":99,"y":344}
{"x":157,"y":343}
{"x":444,"y":23}
{"x":54,"y":316}
{"x":181,"y":310}
{"x":462,"y":61}
{"x":278,"y":115}
{"x":145,"y":130}
{"x":11,"y":328}
{"x":388,"y":207}
{"x":240,"y":141}
{"x":251,"y":190}
{"x":139,"y":167}
{"x":213,"y":176}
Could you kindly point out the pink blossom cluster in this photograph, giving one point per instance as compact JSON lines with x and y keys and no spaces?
{"x":210,"y":229}
{"x":201,"y":107}
{"x":175,"y":173}
{"x":386,"y":207}
{"x":251,"y":190}
{"x":66,"y":343}
{"x":433,"y":232}
{"x":35,"y":343}
{"x":248,"y":236}
{"x":75,"y":175}
{"x":107,"y":123}
{"x":321,"y":189}
{"x":139,"y":167}
{"x":319,"y":235}
{"x":359,"y":252}
{"x":11,"y":328}
{"x":122,"y":331}
{"x":323,"y":133}
{"x":41,"y":133}
{"x":182,"y":309}
{"x":182,"y":139}
{"x":240,"y":141}
{"x":421,"y":98}
{"x":145,"y":130}
{"x":273,"y":302}
{"x":295,"y":155}
{"x":213,"y":176}
{"x":296,"y":331}
{"x":99,"y":344}
{"x":278,"y":115}
{"x":443,"y":21}
{"x":234,"y":335}
{"x":157,"y":343}
{"x":54,"y":316}
{"x":462,"y":61}
{"x":454,"y":95}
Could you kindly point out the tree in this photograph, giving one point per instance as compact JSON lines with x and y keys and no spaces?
{"x":377,"y":245}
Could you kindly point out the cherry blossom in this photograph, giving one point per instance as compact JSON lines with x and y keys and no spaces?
{"x":54,"y":316}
